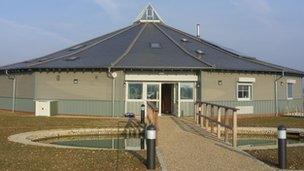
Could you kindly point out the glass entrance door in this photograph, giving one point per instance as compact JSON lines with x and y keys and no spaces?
{"x":153,"y":94}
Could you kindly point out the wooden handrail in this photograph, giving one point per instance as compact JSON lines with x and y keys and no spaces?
{"x":152,"y":106}
{"x":215,"y":121}
{"x":205,"y":115}
{"x":217,"y":105}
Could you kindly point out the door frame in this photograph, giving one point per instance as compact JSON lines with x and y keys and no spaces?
{"x":144,"y":94}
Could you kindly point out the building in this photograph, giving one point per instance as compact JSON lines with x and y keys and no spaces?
{"x":148,"y":61}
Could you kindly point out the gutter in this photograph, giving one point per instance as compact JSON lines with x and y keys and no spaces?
{"x":12,"y":77}
{"x":276,"y":93}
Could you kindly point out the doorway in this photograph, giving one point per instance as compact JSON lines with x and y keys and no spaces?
{"x":167,"y":99}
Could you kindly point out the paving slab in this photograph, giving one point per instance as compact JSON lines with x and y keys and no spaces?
{"x":185,"y":146}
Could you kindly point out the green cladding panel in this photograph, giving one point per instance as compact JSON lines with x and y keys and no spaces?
{"x":187,"y":108}
{"x":21,"y":104}
{"x":90,"y":107}
{"x":266,"y":106}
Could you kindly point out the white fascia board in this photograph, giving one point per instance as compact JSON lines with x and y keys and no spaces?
{"x":247,"y":79}
{"x":291,"y":81}
{"x":165,"y":77}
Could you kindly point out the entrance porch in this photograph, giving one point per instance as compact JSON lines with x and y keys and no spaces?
{"x":172,"y":94}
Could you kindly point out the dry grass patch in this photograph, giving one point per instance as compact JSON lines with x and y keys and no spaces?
{"x":16,"y":156}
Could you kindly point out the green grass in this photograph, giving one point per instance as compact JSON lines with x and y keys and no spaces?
{"x":15,"y":156}
{"x":291,"y":122}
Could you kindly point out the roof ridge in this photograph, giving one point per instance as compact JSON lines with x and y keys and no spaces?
{"x":183,"y":49}
{"x":130,"y":47}
{"x":87,"y":47}
{"x":235,"y":55}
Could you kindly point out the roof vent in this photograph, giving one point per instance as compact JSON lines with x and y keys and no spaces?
{"x":154,"y":45}
{"x":184,"y":40}
{"x":200,"y":52}
{"x":77,"y":47}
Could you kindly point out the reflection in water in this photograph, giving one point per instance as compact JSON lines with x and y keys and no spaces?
{"x":109,"y":142}
{"x":253,"y":141}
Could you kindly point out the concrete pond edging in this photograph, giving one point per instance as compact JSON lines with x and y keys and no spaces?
{"x":33,"y":137}
{"x":271,"y":131}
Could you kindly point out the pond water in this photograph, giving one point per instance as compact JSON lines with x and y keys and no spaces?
{"x":105,"y":142}
{"x":253,"y":141}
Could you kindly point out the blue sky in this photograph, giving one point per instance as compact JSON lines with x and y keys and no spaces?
{"x":269,"y":30}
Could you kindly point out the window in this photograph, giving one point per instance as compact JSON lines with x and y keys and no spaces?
{"x":289,"y":90}
{"x":152,"y":91}
{"x":244,"y":91}
{"x":186,"y":91}
{"x":135,"y":91}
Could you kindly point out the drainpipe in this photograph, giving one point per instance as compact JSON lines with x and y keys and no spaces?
{"x":12,"y":77}
{"x":112,"y":75}
{"x":276,"y":93}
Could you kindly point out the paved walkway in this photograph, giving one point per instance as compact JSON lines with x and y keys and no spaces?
{"x":185,"y":146}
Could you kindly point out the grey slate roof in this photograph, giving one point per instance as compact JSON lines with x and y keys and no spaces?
{"x":129,"y":48}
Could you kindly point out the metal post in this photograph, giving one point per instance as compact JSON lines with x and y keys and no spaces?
{"x":151,"y":143}
{"x":14,"y":95}
{"x":142,"y":143}
{"x":282,"y":150}
{"x":142,"y":114}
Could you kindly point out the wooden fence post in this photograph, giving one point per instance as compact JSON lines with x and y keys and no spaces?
{"x":202,"y":113}
{"x":219,"y":120}
{"x":212,"y":117}
{"x":234,"y":142}
{"x":226,"y":123}
{"x":207,"y":120}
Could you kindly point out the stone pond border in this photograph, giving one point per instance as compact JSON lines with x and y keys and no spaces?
{"x":265,"y":131}
{"x":33,"y":137}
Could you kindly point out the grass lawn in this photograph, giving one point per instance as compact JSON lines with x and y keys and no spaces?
{"x":15,"y":156}
{"x":294,"y":122}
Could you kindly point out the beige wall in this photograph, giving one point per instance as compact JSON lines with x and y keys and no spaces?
{"x":24,"y":86}
{"x":6,"y":86}
{"x":263,"y":88}
{"x":282,"y":87}
{"x":91,"y":86}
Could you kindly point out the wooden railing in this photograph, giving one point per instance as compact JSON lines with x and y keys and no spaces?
{"x":209,"y":116}
{"x":152,"y":113}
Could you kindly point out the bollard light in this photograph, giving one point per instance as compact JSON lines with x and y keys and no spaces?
{"x":282,"y":149}
{"x":142,"y":114}
{"x":151,"y":146}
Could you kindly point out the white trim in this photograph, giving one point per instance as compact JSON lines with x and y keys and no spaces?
{"x":249,"y":93}
{"x":178,"y":100}
{"x":247,"y":80}
{"x":292,"y":87}
{"x":165,"y":77}
{"x":291,"y":81}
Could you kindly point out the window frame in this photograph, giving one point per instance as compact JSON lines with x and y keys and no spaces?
{"x":142,"y":91}
{"x":287,"y":90}
{"x":250,"y":91}
{"x":154,"y":84}
{"x":193,"y":92}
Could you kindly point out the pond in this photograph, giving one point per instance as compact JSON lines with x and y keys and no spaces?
{"x":121,"y":142}
{"x":253,"y":141}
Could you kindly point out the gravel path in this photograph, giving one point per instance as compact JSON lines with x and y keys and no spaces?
{"x":188,"y":147}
